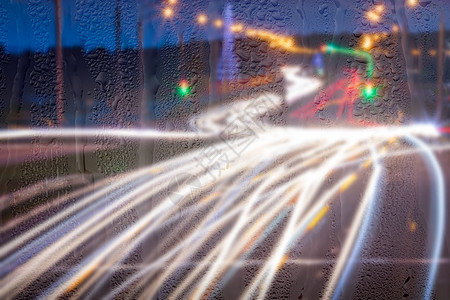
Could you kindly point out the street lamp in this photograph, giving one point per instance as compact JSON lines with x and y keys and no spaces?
{"x":412,"y":3}
{"x":367,"y":42}
{"x":375,"y":14}
{"x":167,"y":13}
{"x":238,"y":27}
{"x":218,"y":23}
{"x":202,"y":19}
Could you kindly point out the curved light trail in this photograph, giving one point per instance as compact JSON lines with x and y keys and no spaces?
{"x":277,"y":182}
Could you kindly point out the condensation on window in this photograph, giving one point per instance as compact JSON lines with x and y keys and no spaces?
{"x":224,"y":149}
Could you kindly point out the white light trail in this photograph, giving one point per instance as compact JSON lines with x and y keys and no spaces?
{"x":225,"y":219}
{"x":353,"y":243}
{"x":298,"y":86}
{"x":439,"y":211}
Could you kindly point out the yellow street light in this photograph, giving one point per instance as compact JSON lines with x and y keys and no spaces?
{"x":367,"y":42}
{"x":416,"y":52}
{"x":218,"y":23}
{"x":167,"y":13}
{"x":376,"y":13}
{"x":379,"y":9}
{"x":373,"y":16}
{"x":172,"y":2}
{"x":202,"y":19}
{"x":412,"y":3}
{"x":238,"y":27}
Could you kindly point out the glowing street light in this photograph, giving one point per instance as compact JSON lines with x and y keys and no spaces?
{"x":238,"y":27}
{"x":379,"y":9}
{"x":376,"y":13}
{"x":218,"y":23}
{"x":167,"y":13}
{"x":367,"y":42}
{"x":372,"y":16}
{"x":412,"y":3}
{"x":202,"y":19}
{"x":172,"y":2}
{"x":416,"y":52}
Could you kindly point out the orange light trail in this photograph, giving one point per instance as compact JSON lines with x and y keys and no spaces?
{"x":283,"y":260}
{"x":279,"y":41}
{"x":275,"y":40}
{"x":318,"y":217}
{"x":350,"y":180}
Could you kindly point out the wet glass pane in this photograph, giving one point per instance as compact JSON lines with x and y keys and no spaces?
{"x":224,"y":149}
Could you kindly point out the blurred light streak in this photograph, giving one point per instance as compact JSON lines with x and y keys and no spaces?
{"x":318,"y":217}
{"x":278,"y":41}
{"x":236,"y":205}
{"x":183,"y":258}
{"x":437,"y":178}
{"x":348,"y":182}
{"x":334,"y":133}
{"x":292,"y":232}
{"x":357,"y":234}
{"x":297,"y":85}
{"x":332,"y":49}
{"x":97,"y":133}
{"x":247,"y":253}
{"x":323,"y":100}
{"x":444,"y":129}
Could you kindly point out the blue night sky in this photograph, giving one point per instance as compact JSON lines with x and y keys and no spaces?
{"x":30,"y":25}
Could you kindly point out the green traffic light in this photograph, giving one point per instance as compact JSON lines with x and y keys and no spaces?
{"x":369,"y":92}
{"x":184,"y":89}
